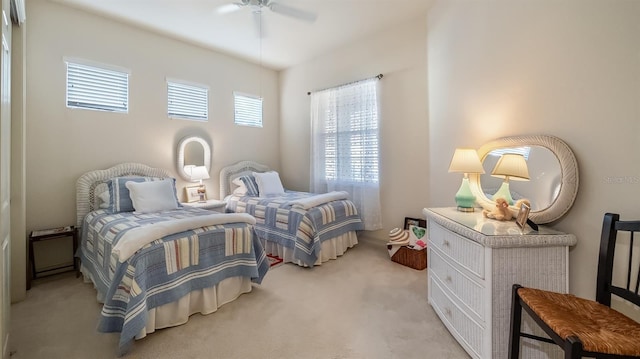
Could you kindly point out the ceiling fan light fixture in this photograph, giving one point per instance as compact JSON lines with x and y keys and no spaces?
{"x":257,"y":5}
{"x":229,"y":8}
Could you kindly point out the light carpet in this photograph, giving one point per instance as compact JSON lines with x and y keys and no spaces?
{"x":362,"y":305}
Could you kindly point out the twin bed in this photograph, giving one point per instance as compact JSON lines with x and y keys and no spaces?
{"x":303,"y":228}
{"x":154,"y":263}
{"x":154,"y":268}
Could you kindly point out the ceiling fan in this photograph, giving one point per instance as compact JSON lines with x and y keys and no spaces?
{"x":257,"y":6}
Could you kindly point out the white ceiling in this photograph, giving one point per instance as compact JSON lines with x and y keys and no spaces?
{"x":286,"y":42}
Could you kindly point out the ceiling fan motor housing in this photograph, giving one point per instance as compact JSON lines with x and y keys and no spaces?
{"x":259,"y":3}
{"x":256,"y":7}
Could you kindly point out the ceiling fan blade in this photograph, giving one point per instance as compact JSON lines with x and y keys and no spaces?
{"x":258,"y":23}
{"x":228,"y":8}
{"x":292,"y":12}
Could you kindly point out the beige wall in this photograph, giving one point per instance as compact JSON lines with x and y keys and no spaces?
{"x":399,"y":54}
{"x":63,"y":143}
{"x":565,"y":68}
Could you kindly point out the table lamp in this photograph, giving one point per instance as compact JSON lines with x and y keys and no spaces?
{"x":465,"y":160}
{"x":510,"y":166}
{"x":198,"y":173}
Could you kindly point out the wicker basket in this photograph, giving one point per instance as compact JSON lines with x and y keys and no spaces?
{"x":411,"y":258}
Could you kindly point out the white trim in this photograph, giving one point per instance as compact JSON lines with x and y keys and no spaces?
{"x":185,"y":82}
{"x":81,"y":61}
{"x":18,"y":7}
{"x":240,"y":93}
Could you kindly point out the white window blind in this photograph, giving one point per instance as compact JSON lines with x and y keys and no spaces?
{"x":248,"y":110}
{"x":97,"y":88}
{"x":187,"y":101}
{"x":524,"y":151}
{"x":351,"y":152}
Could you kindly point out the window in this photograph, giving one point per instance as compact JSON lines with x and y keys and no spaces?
{"x":524,"y":151}
{"x":345,"y":146}
{"x":187,"y":101}
{"x":247,"y":109}
{"x":97,"y":88}
{"x":349,"y":134}
{"x":351,"y":147}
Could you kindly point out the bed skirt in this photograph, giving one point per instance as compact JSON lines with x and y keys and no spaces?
{"x":330,"y":249}
{"x":203,"y":301}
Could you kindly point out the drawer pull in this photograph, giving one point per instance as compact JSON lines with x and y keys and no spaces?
{"x":446,"y":243}
{"x":448,"y":279}
{"x":447,"y":312}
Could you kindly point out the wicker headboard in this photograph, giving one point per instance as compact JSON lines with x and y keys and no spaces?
{"x":86,"y":199}
{"x":229,"y":173}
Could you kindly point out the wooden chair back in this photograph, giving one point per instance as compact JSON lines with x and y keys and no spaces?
{"x":614,"y":231}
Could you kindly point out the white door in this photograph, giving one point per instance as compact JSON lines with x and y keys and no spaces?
{"x":5,"y":165}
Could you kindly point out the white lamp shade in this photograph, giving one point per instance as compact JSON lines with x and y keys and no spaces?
{"x":197,"y":173}
{"x":188,"y":169}
{"x":466,"y":160}
{"x":512,"y":166}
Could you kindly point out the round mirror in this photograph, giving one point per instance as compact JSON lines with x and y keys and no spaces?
{"x":193,"y":151}
{"x":553,"y":175}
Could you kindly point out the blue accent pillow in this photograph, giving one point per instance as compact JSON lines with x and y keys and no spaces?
{"x":119,"y":197}
{"x":252,"y":186}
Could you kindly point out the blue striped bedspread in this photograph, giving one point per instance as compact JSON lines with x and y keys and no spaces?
{"x":303,"y":230}
{"x":164,"y":270}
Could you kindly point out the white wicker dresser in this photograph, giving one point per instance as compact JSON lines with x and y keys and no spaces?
{"x":472,"y":264}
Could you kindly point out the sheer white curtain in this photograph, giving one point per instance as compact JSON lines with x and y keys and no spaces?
{"x":345,"y":152}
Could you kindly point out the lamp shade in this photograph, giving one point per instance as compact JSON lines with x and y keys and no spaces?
{"x":511,"y":166}
{"x":197,"y":173}
{"x":466,"y":160}
{"x":188,"y":169}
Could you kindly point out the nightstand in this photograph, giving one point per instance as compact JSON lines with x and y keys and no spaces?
{"x":210,"y":204}
{"x":45,"y":235}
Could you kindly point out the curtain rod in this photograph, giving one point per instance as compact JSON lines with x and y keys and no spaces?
{"x":379,"y":76}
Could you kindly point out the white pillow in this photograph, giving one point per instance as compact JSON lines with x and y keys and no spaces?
{"x":154,"y":196}
{"x":104,"y":198}
{"x":241,"y":189}
{"x":269,"y":183}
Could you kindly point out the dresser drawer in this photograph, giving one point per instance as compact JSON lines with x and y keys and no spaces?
{"x":464,"y":252}
{"x":468,"y":291}
{"x":468,"y":332}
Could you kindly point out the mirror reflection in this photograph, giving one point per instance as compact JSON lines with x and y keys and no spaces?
{"x":193,"y":151}
{"x":543,"y":186}
{"x":194,"y":154}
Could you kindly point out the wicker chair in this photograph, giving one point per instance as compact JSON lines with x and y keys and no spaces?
{"x":579,"y":326}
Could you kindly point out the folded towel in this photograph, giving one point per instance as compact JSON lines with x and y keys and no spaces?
{"x":319,"y":199}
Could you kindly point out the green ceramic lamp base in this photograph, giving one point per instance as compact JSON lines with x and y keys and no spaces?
{"x":504,"y":192}
{"x":465,"y":200}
